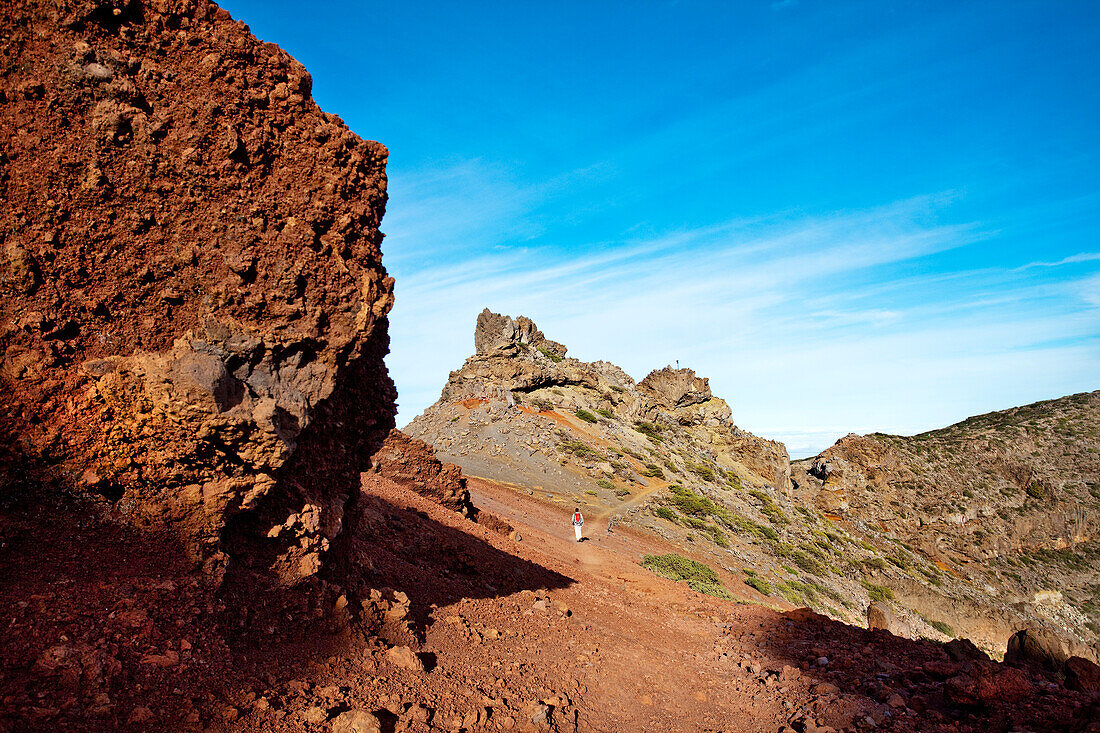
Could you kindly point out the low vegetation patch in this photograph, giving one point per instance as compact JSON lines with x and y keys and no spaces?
{"x":579,"y":449}
{"x":605,"y":412}
{"x":665,"y":513}
{"x":586,"y":416}
{"x":549,"y":354}
{"x":621,"y":493}
{"x":704,"y":472}
{"x":801,"y":558}
{"x":878,"y":592}
{"x":605,"y":484}
{"x":541,"y":404}
{"x":942,"y":627}
{"x":649,"y":430}
{"x":699,"y":577}
{"x":769,"y":508}
{"x":759,"y":584}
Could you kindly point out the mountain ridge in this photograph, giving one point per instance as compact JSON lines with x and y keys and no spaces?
{"x":664,"y":455}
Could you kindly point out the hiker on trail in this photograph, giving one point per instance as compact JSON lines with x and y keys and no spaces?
{"x":578,"y":522}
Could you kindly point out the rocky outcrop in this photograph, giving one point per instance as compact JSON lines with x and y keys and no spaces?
{"x":1009,"y":500}
{"x":412,"y":462}
{"x":193,"y":320}
{"x":501,"y":334}
{"x":516,"y":371}
{"x":676,"y":388}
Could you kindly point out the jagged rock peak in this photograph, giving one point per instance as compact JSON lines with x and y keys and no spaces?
{"x":676,"y":387}
{"x":497,"y":334}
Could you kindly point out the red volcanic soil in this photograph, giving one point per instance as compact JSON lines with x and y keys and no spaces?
{"x":106,"y":628}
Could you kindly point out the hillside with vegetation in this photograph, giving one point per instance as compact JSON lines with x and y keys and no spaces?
{"x":663,"y":455}
{"x":1008,"y":503}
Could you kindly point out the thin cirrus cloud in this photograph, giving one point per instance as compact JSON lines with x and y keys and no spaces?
{"x":794,"y":317}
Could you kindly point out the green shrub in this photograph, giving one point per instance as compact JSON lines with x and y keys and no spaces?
{"x":605,"y":484}
{"x":899,"y":562}
{"x":734,"y":481}
{"x":549,"y":354}
{"x":704,"y":472}
{"x":586,"y":416}
{"x":590,"y":492}
{"x":579,"y":449}
{"x":878,"y":592}
{"x":622,"y":492}
{"x":746,"y":526}
{"x":688,"y":502}
{"x":605,"y":412}
{"x":699,"y":577}
{"x":876,"y":563}
{"x":759,"y":584}
{"x":711,"y":589}
{"x":542,"y":405}
{"x":617,"y":388}
{"x":770,"y":509}
{"x":678,"y":567}
{"x":931,"y":576}
{"x":649,"y":430}
{"x":1036,"y":491}
{"x":665,"y":513}
{"x":808,"y":563}
{"x":942,"y":627}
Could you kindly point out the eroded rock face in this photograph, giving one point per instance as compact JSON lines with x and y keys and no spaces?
{"x":675,"y":388}
{"x":502,"y":334}
{"x":1015,"y":492}
{"x":193,"y":317}
{"x":517,"y":373}
{"x":412,"y":462}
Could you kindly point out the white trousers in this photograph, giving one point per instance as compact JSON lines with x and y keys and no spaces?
{"x":577,"y":531}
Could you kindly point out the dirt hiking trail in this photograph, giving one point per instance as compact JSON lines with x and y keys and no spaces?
{"x":476,"y":631}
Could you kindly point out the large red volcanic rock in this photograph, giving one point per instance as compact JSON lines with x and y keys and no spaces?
{"x":193,"y":310}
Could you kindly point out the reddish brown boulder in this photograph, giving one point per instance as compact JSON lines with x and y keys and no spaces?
{"x":1082,"y":675}
{"x":987,"y":682}
{"x":412,"y":462}
{"x":192,"y":300}
{"x":1039,"y":647}
{"x":964,"y":650}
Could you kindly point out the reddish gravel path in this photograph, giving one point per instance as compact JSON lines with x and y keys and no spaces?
{"x":499,"y":632}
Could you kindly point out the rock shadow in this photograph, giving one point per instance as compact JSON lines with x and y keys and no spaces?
{"x":435,"y":564}
{"x":904,"y":684}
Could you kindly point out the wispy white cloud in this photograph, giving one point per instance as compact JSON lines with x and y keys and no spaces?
{"x":794,"y":318}
{"x":1071,"y":260}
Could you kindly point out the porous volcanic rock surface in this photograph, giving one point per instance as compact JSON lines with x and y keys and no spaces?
{"x":193,"y":310}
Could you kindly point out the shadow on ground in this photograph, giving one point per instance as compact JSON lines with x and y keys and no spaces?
{"x":904,"y":684}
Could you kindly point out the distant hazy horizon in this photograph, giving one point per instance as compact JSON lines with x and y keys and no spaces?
{"x":851,"y":216}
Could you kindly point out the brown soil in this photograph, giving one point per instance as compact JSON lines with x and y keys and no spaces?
{"x":104,"y":626}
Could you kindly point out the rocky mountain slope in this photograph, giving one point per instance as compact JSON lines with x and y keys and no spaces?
{"x":664,"y":454}
{"x":1008,"y":501}
{"x":207,"y":522}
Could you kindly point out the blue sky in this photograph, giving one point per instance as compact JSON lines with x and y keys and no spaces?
{"x":851,"y":216}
